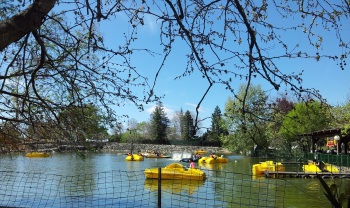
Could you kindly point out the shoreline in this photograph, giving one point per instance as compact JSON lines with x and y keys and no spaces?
{"x":122,"y":148}
{"x":126,"y":148}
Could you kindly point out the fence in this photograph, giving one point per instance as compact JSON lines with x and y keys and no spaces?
{"x":131,"y":189}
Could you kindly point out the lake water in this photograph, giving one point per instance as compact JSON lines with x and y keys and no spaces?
{"x":107,"y":180}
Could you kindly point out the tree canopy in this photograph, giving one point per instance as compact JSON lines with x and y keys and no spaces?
{"x":247,"y":123}
{"x":86,"y":121}
{"x":55,"y":54}
{"x":305,"y":118}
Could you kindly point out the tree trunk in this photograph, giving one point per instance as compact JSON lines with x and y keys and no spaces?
{"x":18,"y":26}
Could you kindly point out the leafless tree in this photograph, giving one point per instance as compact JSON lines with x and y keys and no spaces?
{"x":53,"y":54}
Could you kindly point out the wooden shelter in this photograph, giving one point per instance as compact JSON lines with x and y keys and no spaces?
{"x":341,"y":143}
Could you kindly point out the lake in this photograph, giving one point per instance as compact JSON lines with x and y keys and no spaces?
{"x":107,"y":180}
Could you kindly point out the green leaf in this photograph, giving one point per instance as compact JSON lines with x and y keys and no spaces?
{"x":334,"y":189}
{"x":347,"y":189}
{"x":342,"y":198}
{"x":328,"y":193}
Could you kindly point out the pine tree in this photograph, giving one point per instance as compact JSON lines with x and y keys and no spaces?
{"x":188,"y":127}
{"x":215,"y":120}
{"x":158,"y":124}
{"x":217,"y":128}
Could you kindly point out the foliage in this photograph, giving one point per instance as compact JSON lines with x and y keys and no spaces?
{"x":333,"y":194}
{"x":129,"y":136}
{"x":159,"y":124}
{"x":305,"y":118}
{"x":86,"y":121}
{"x":116,"y":133}
{"x":143,"y":130}
{"x":280,"y":107}
{"x":341,"y":118}
{"x":56,"y":53}
{"x":10,"y":137}
{"x":247,"y":118}
{"x":235,"y":143}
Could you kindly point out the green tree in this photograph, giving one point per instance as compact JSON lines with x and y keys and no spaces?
{"x":130,"y":136}
{"x":143,"y":129}
{"x":188,"y":126}
{"x":341,"y":118}
{"x":247,"y":118}
{"x":136,"y":132}
{"x":218,"y":127}
{"x":116,"y":133}
{"x":280,"y":107}
{"x":159,"y":125}
{"x":84,"y":123}
{"x":304,"y":118}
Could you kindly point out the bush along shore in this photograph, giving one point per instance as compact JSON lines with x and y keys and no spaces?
{"x":128,"y":147}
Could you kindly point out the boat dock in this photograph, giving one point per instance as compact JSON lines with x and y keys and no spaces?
{"x":284,"y":174}
{"x":295,"y":163}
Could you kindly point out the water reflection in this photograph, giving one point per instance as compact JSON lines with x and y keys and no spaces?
{"x":179,"y":155}
{"x":174,"y":186}
{"x":215,"y":166}
{"x":133,"y":165}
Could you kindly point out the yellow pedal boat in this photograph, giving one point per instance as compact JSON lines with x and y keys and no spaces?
{"x":156,"y":156}
{"x":212,"y":160}
{"x":37,"y":154}
{"x":260,"y":168}
{"x":176,"y":171}
{"x":201,"y":152}
{"x":134,"y":157}
{"x":320,"y":166}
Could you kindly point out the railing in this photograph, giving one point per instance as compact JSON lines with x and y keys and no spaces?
{"x":342,"y":160}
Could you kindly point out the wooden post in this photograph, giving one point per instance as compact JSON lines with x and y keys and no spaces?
{"x":159,"y":187}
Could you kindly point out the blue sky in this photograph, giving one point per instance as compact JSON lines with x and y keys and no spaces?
{"x":185,"y":93}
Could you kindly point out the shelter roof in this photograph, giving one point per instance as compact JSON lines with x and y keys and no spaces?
{"x":327,"y":132}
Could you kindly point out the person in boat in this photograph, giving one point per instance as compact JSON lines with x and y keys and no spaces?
{"x":156,"y":153}
{"x":320,"y":164}
{"x":132,"y":156}
{"x":197,"y":156}
{"x":192,"y":165}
